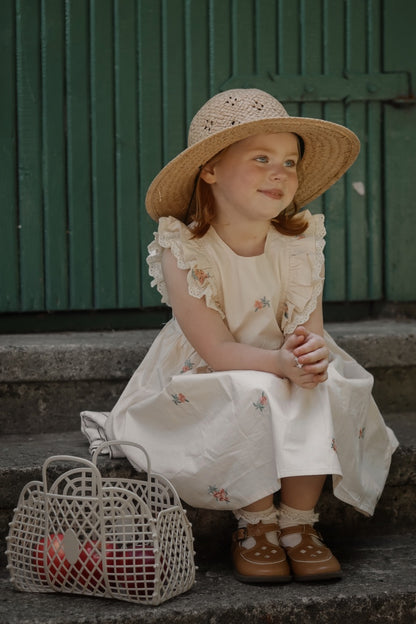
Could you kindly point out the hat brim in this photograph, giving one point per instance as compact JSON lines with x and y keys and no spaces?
{"x":330,"y":149}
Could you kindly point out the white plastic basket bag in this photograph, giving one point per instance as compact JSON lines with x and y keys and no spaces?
{"x":101,"y":536}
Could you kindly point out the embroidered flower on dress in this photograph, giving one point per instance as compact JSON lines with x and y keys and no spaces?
{"x":260,"y":304}
{"x":361,"y":433}
{"x":261,"y":403}
{"x":220,"y":494}
{"x":179,"y":398}
{"x":188,"y":365}
{"x":333,"y":445}
{"x":200,"y":275}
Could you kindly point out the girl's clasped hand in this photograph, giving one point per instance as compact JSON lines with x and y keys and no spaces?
{"x":304,"y":358}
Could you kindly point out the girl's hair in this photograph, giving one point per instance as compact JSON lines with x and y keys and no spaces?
{"x":202,"y":212}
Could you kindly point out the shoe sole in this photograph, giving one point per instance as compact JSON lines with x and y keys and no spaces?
{"x":262,"y":579}
{"x":319,"y":577}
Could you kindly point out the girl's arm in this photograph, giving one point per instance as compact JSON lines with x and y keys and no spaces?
{"x":310,"y":348}
{"x":207,"y":332}
{"x":315,"y":322}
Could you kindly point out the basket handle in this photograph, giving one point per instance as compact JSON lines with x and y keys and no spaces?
{"x":109,"y":443}
{"x":70,"y":459}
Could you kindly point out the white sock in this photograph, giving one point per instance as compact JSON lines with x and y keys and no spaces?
{"x":268,"y":516}
{"x":289,"y":517}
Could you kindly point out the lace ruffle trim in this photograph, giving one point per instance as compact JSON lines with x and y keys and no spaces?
{"x":302,"y":308}
{"x":174,"y":235}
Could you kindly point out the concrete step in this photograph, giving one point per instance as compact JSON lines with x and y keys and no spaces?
{"x":22,"y":458}
{"x":47,"y":379}
{"x":379,"y":585}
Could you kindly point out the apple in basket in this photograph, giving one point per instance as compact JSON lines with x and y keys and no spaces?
{"x":131,"y":569}
{"x":56,"y":565}
{"x":89,"y":566}
{"x":58,"y":568}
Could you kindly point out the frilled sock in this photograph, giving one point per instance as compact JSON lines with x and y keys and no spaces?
{"x":289,"y":517}
{"x":268,"y":516}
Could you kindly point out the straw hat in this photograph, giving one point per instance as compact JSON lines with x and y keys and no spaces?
{"x":230,"y":116}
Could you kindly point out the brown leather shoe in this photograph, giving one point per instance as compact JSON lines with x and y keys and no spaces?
{"x":262,"y":563}
{"x":311,"y":560}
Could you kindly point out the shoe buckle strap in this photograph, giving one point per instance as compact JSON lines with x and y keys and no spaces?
{"x":303,"y":529}
{"x":255,"y":530}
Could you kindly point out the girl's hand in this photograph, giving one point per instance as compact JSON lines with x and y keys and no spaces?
{"x":303,"y":358}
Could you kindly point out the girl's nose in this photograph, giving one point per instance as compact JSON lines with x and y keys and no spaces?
{"x":278,"y":172}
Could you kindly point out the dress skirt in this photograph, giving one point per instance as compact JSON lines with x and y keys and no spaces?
{"x":226,"y":439}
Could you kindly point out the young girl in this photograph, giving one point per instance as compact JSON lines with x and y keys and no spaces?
{"x":242,"y":393}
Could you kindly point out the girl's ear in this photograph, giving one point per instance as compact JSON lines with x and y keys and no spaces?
{"x":208,"y":173}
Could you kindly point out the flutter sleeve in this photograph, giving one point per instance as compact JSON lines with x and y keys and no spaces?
{"x":306,"y":274}
{"x":190,"y":254}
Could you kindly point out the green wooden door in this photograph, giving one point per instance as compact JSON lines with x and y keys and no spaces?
{"x":97,"y":96}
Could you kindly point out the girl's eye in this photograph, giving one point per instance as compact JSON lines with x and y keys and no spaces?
{"x":290,"y":163}
{"x":262,"y":159}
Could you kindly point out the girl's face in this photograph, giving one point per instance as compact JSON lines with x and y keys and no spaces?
{"x":254,"y":179}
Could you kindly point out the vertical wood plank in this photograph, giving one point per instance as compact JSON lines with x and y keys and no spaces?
{"x":53,"y":155}
{"x":173,"y":74}
{"x":289,"y":45}
{"x":265,"y":36}
{"x":79,"y":155}
{"x":103,"y":153}
{"x":126,"y":137}
{"x":289,"y":37}
{"x":9,"y":248}
{"x":149,"y":29}
{"x":243,"y":29}
{"x":311,"y":44}
{"x":197,"y":57}
{"x":356,"y":119}
{"x":30,"y":147}
{"x":334,"y":200}
{"x":400,"y":162}
{"x":374,"y":199}
{"x":220,"y":45}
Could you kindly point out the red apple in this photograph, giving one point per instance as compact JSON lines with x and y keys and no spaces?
{"x":54,"y":563}
{"x":131,"y":569}
{"x":89,"y":566}
{"x":87,"y":570}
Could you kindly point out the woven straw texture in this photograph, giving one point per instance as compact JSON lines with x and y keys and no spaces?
{"x":116,"y":538}
{"x":330,"y":149}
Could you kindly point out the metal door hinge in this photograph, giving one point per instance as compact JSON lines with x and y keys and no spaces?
{"x":404,"y":101}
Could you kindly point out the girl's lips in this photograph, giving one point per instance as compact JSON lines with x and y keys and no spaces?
{"x":273,"y":193}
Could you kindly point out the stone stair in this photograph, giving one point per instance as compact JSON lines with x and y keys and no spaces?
{"x":47,"y":379}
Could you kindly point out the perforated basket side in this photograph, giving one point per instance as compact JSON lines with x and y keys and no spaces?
{"x":26,"y":533}
{"x":155,"y":491}
{"x":133,"y":556}
{"x":177,"y":553}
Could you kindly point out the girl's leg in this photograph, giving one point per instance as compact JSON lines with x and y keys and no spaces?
{"x":302,"y":492}
{"x":257,"y":554}
{"x":260,"y":505}
{"x":310,"y":559}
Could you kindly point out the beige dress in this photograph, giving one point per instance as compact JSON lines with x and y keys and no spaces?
{"x":225,"y":439}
